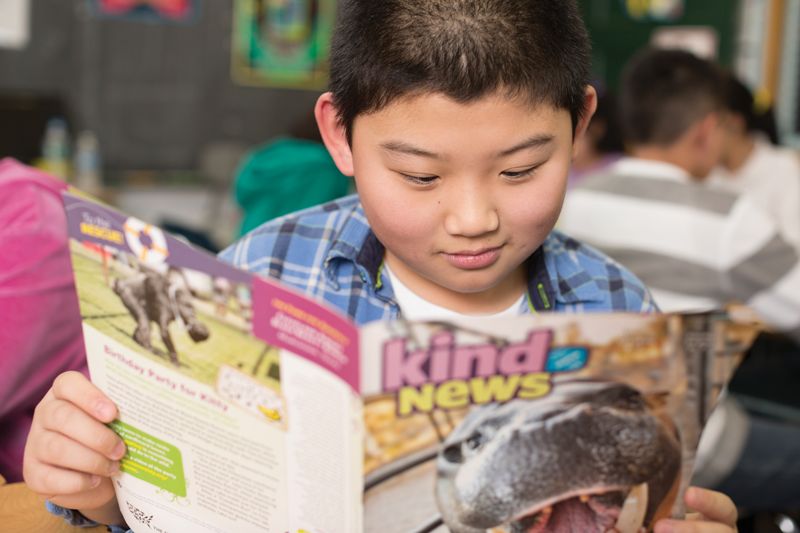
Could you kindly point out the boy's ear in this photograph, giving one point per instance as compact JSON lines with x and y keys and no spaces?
{"x":589,"y":107}
{"x":333,"y":133}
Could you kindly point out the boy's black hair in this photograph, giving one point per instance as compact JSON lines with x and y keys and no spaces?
{"x":739,"y":100}
{"x":607,"y":114}
{"x":664,"y":92}
{"x":383,"y":50}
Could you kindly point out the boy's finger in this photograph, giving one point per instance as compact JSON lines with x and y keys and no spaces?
{"x":60,"y":416}
{"x":715,"y":506}
{"x":52,"y":481}
{"x":92,"y":499}
{"x":75,"y":388}
{"x":60,"y":451}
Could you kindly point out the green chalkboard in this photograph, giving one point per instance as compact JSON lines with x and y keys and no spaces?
{"x":616,"y":36}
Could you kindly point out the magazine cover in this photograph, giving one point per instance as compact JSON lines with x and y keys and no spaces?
{"x":246,"y":406}
{"x":538,"y":424}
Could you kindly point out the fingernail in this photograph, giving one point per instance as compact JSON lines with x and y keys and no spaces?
{"x":95,"y":481}
{"x":105,"y":410}
{"x":119,"y":451}
{"x":113,"y":469}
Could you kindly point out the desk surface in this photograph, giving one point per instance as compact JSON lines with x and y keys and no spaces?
{"x":22,"y":511}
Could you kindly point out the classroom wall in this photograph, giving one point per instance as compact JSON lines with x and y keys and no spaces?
{"x":616,"y":36}
{"x":154,"y":93}
{"x":157,"y":94}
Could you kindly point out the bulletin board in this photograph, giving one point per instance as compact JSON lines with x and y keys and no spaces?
{"x":282,"y":43}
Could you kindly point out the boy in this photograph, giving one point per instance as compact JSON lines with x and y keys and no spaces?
{"x":457,"y":121}
{"x":697,"y":247}
{"x":751,"y":164}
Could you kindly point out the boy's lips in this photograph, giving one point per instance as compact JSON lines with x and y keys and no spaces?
{"x":473,"y":259}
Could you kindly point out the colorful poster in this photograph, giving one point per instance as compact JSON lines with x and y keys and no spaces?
{"x":151,"y":10}
{"x":282,"y":43}
{"x":654,"y":10}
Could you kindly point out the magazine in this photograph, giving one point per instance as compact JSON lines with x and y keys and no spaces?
{"x":247,"y":406}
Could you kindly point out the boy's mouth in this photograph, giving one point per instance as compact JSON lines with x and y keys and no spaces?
{"x":473,"y":259}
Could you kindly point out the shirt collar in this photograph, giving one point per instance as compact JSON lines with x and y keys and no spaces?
{"x":648,"y":168}
{"x":354,"y":241}
{"x":562,"y":271}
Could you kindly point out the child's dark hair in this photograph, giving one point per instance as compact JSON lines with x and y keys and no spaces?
{"x":664,"y":92}
{"x":608,"y":116}
{"x":465,"y":49}
{"x":740,"y":100}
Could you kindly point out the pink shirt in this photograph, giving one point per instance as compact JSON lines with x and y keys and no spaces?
{"x":40,"y":326}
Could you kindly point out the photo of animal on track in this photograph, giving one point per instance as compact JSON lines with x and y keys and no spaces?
{"x":184,"y":319}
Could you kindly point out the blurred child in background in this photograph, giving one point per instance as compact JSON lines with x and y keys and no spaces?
{"x":751,"y":163}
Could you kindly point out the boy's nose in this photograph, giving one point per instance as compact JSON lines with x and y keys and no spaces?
{"x":471,"y":215}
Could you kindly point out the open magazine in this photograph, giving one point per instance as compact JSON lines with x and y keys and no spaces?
{"x":246,"y":406}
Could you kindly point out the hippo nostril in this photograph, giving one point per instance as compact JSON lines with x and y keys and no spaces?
{"x":452,"y":454}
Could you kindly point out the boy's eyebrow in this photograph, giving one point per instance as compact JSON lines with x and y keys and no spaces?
{"x":533,"y":142}
{"x":404,"y":148}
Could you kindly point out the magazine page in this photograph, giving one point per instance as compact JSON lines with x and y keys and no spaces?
{"x":538,"y":424}
{"x":238,"y":398}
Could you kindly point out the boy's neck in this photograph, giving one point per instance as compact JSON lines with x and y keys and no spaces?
{"x":489,"y":301}
{"x":674,"y":155}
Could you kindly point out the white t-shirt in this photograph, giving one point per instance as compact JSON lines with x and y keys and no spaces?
{"x":415,"y":307}
{"x":771,"y":177}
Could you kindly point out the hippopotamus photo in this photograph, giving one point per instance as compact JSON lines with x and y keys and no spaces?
{"x":566,"y":462}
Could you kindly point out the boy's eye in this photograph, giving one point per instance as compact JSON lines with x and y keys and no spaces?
{"x":419,"y":180}
{"x":519,"y":174}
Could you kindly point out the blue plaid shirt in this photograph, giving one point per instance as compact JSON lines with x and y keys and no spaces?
{"x":330,"y":253}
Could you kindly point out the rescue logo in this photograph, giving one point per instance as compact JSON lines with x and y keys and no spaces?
{"x":146,"y":242}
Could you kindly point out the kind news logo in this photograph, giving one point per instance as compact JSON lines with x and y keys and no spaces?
{"x":446,"y":375}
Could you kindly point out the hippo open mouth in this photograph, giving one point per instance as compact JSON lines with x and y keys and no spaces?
{"x":589,"y":457}
{"x":600,"y":512}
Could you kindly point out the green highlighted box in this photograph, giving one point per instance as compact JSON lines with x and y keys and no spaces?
{"x":151,"y":459}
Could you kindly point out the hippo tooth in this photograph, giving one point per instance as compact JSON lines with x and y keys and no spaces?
{"x":631,"y":516}
{"x":584,"y":498}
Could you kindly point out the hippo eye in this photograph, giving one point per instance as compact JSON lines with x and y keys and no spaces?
{"x":457,"y":453}
{"x":472,"y":444}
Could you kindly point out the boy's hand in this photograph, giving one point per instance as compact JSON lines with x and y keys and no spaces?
{"x":714,"y":513}
{"x":70,"y":453}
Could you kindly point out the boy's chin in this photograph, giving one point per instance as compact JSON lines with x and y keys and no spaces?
{"x":466,"y":293}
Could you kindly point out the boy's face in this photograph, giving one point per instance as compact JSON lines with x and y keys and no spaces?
{"x":461,"y":194}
